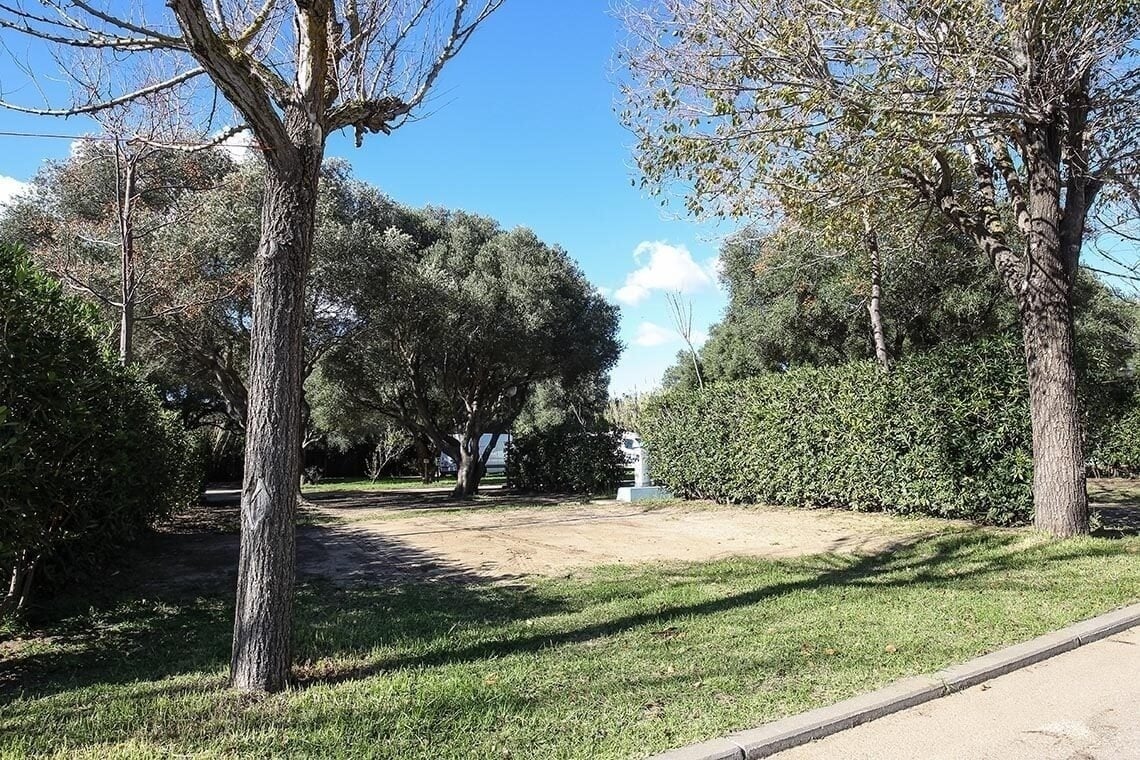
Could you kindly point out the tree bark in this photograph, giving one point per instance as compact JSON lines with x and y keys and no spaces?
{"x":20,"y":585}
{"x":1041,"y":281}
{"x":874,"y":305}
{"x":263,"y":618}
{"x":1059,"y":498}
{"x":470,"y":466}
{"x":126,"y":333}
{"x":1045,"y":304}
{"x":125,"y":198}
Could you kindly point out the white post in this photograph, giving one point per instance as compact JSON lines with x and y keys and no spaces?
{"x":641,"y":470}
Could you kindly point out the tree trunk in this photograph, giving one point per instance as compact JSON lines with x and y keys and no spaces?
{"x":1059,"y":498}
{"x":125,"y":197}
{"x":1045,"y":303}
{"x":20,"y":585}
{"x":426,"y":460}
{"x":126,"y":333}
{"x":470,"y":467}
{"x":263,"y":619}
{"x":874,"y":305}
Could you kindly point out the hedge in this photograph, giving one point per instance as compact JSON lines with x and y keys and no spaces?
{"x":566,"y":459}
{"x":1114,"y":438}
{"x":944,"y":434}
{"x":88,"y":457}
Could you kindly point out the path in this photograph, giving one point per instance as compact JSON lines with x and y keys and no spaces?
{"x":1080,"y":705}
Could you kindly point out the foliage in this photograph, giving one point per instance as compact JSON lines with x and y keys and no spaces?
{"x":94,"y":220}
{"x":945,"y":434}
{"x":555,"y":402}
{"x":1114,"y":426}
{"x":88,"y":459}
{"x":566,"y":459}
{"x":793,"y":304}
{"x":624,"y":412}
{"x":457,"y":322}
{"x":1015,"y":122}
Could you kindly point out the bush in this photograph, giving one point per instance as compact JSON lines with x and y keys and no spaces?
{"x":945,"y":434}
{"x":1114,"y":440}
{"x":88,"y":457}
{"x":566,"y":459}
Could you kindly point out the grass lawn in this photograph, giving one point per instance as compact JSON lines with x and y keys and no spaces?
{"x":332,"y":485}
{"x":620,"y":663}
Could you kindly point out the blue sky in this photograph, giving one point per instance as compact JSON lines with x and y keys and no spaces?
{"x":523,"y":127}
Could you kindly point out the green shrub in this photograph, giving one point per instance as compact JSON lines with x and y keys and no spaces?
{"x":566,"y":459}
{"x":88,"y":457}
{"x":944,"y":434}
{"x":1114,"y":439}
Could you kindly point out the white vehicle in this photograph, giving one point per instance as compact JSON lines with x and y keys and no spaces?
{"x":496,"y":462}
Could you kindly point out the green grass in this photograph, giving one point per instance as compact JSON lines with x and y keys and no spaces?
{"x":623,"y":663}
{"x":1115,"y":491}
{"x":332,"y":485}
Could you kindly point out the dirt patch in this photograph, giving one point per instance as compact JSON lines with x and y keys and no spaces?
{"x":505,"y":543}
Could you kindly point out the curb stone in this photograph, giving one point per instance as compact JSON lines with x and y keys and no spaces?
{"x":800,"y":729}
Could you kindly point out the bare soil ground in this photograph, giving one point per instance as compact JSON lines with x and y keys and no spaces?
{"x":394,"y":536}
{"x":503,"y":537}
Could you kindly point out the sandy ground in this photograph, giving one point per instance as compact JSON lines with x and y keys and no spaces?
{"x":496,"y":538}
{"x":410,"y":535}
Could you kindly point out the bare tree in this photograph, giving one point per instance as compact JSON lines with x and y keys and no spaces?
{"x":682,"y":314}
{"x":94,"y":221}
{"x":294,"y":72}
{"x":990,"y":111}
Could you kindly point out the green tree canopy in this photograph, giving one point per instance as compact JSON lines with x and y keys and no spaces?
{"x":457,"y":322}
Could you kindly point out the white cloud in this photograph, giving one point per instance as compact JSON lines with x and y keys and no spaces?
{"x":10,"y":187}
{"x":603,"y":291}
{"x":650,"y":334}
{"x":665,"y":267}
{"x":239,"y":146}
{"x":699,"y":337}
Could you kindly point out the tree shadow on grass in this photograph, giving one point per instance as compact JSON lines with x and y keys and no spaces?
{"x":1115,"y":505}
{"x":168,"y":609}
{"x":953,"y":559}
{"x":385,"y":622}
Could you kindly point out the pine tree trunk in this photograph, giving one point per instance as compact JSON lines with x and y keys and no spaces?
{"x":1045,"y":304}
{"x":263,"y":619}
{"x":126,"y":333}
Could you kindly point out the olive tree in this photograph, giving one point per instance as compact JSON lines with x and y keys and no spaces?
{"x":459,"y":323}
{"x":1015,"y":121}
{"x":293,"y":73}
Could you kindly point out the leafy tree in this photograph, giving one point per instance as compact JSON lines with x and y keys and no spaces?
{"x":1019,"y":111}
{"x":95,"y":220}
{"x":554,"y":403}
{"x":206,"y":351}
{"x":792,"y":304}
{"x":459,"y":322}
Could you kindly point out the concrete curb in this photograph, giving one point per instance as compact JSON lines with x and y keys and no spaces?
{"x":816,"y":724}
